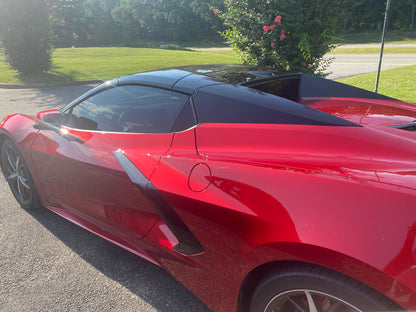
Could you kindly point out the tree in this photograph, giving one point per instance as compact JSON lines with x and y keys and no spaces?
{"x":166,"y":20}
{"x":403,"y":14}
{"x":368,"y":16}
{"x":25,"y":35}
{"x":290,"y":35}
{"x":83,"y":22}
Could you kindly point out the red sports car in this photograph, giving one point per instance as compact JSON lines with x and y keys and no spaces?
{"x":257,"y":191}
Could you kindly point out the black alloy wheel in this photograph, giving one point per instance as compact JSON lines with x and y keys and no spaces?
{"x":300,"y":288}
{"x":18,"y":176}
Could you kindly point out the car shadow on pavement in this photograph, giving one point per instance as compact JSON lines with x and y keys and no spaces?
{"x":144,"y":279}
{"x":61,"y":95}
{"x":57,"y":97}
{"x":32,"y":100}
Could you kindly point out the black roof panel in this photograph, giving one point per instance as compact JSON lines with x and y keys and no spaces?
{"x":227,"y":103}
{"x":192,"y":82}
{"x":162,"y":79}
{"x":313,"y":86}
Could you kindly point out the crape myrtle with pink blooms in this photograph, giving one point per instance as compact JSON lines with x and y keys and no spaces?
{"x":290,"y":35}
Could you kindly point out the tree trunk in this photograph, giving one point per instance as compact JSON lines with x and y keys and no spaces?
{"x":413,"y":16}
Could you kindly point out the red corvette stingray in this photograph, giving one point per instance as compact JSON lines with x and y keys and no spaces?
{"x":259,"y":192}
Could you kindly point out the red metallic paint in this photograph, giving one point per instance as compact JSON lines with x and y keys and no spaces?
{"x":264,"y":204}
{"x":44,"y":115}
{"x":199,"y":177}
{"x":84,"y":177}
{"x":338,"y":197}
{"x":364,"y":111}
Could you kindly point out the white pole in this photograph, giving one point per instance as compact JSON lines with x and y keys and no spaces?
{"x":382,"y":44}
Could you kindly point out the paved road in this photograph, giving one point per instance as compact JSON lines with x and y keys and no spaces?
{"x":345,"y":65}
{"x":378,"y":45}
{"x":50,"y":264}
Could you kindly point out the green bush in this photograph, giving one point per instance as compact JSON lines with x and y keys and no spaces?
{"x":25,"y":36}
{"x":290,"y":35}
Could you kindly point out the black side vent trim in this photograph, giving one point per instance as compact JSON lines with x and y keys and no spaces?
{"x":188,"y":243}
{"x":408,"y":127}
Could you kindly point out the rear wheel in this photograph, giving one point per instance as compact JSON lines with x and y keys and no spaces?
{"x":311,"y":289}
{"x":18,"y":176}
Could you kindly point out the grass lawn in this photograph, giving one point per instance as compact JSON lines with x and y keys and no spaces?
{"x":78,"y":64}
{"x":397,"y":82}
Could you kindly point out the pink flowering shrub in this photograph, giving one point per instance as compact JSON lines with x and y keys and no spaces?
{"x":290,"y":35}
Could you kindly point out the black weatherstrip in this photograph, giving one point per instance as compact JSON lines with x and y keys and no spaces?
{"x":188,"y":243}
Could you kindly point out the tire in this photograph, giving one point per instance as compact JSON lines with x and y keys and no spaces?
{"x":18,"y":176}
{"x":314,"y":289}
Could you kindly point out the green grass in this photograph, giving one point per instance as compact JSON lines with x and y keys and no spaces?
{"x":397,"y":82}
{"x":375,"y":37}
{"x":6,"y":74}
{"x":229,"y":52}
{"x":387,"y":50}
{"x":79,"y":64}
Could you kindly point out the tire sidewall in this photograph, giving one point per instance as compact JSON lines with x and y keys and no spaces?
{"x":278,"y":284}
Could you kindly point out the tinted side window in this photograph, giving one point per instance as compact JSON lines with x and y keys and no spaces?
{"x":136,"y":109}
{"x":285,"y":88}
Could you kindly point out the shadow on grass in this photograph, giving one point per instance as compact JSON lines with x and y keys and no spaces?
{"x":52,"y":76}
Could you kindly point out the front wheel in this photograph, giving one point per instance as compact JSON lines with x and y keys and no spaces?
{"x":311,"y":289}
{"x":18,"y":176}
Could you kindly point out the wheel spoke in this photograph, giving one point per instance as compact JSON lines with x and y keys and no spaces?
{"x":17,"y":163}
{"x":24,"y":183}
{"x":19,"y":189}
{"x":305,"y":300}
{"x":12,"y":176}
{"x":311,"y":303}
{"x":296,"y":305}
{"x":17,"y":175}
{"x":11,"y":162}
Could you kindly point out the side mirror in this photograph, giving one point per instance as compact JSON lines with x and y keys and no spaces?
{"x":51,"y":120}
{"x":48,"y":120}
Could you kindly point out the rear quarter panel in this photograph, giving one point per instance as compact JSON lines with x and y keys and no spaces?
{"x":257,"y":211}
